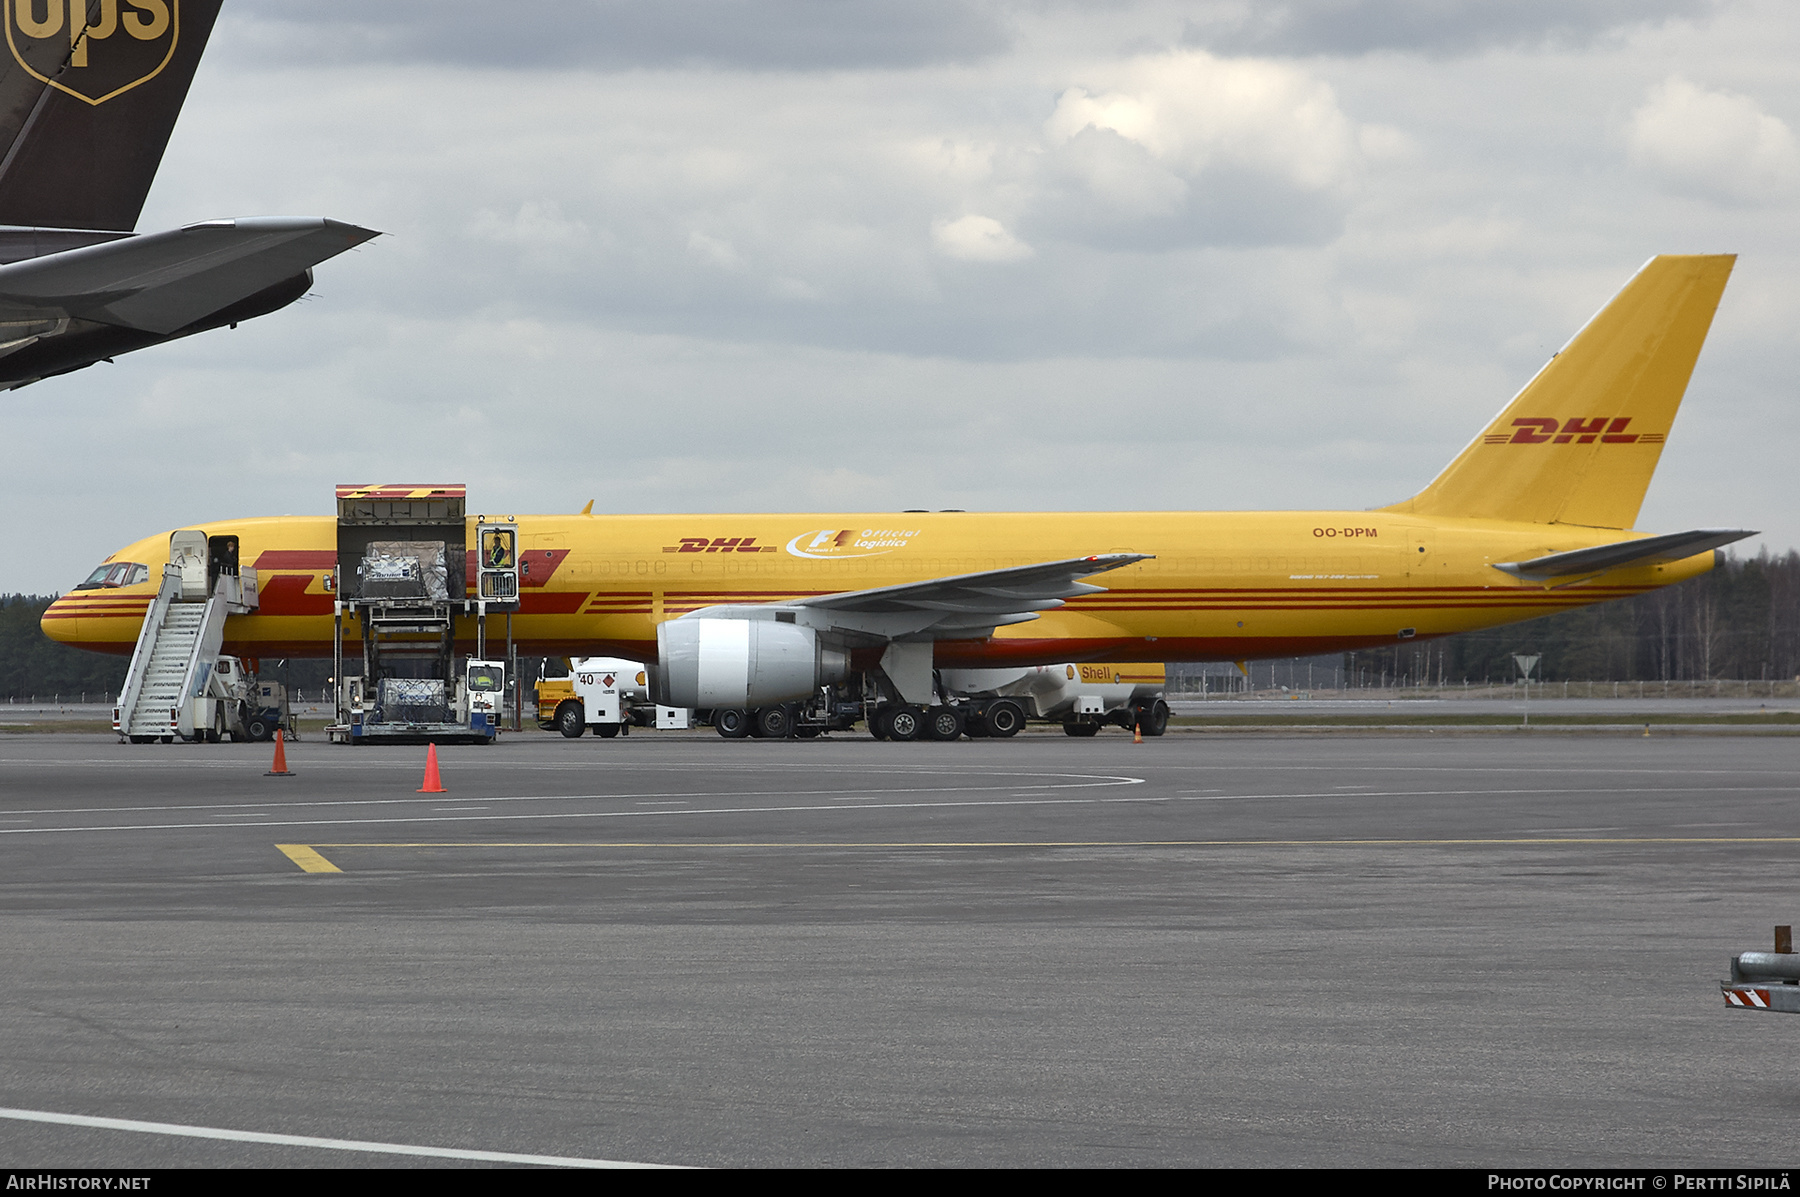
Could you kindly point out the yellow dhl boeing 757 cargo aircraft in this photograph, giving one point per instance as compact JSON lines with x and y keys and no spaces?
{"x":1534,"y":517}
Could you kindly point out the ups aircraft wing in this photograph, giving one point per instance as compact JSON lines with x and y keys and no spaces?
{"x":162,"y":282}
{"x":1648,"y":550}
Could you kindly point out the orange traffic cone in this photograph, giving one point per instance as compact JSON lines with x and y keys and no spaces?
{"x":432,"y":783}
{"x":1137,"y":733}
{"x":279,"y":768}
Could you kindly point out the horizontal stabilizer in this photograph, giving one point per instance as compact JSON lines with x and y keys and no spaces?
{"x":162,"y":282}
{"x":1650,"y":549}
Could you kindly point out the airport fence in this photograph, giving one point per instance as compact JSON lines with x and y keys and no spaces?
{"x":1713,"y":688}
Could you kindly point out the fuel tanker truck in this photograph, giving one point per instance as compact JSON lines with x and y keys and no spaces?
{"x":1082,"y":698}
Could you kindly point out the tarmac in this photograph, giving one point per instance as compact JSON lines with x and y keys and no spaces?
{"x":1220,"y":950}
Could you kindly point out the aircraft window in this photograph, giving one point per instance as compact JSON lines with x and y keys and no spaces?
{"x":118,"y":573}
{"x":484,"y":677}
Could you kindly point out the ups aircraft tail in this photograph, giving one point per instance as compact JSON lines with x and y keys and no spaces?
{"x":1580,"y":442}
{"x":89,"y":93}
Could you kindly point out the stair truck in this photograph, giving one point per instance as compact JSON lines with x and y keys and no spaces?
{"x":171,"y":689}
{"x":402,"y":585}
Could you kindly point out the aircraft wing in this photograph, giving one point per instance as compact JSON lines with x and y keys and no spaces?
{"x":960,"y":606}
{"x":902,"y":621}
{"x":161,"y":282}
{"x":1672,"y":547}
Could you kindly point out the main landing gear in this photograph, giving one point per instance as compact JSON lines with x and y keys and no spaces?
{"x":997,"y":719}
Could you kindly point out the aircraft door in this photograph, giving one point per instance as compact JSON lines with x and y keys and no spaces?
{"x":222,"y":559}
{"x":188,"y":552}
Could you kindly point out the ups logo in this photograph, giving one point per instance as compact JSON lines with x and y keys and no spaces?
{"x":93,"y":49}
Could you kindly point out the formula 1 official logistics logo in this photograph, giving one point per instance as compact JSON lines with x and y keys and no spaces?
{"x":831,"y":544}
{"x":93,"y":49}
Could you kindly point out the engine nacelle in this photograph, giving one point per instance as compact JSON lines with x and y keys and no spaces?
{"x":741,"y":663}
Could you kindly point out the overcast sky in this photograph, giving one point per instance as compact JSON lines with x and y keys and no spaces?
{"x":808,"y":255}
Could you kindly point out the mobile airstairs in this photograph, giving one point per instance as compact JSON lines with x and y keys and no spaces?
{"x":182,"y":635}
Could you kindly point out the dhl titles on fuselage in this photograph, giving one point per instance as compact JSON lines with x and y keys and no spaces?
{"x":1221,"y":586}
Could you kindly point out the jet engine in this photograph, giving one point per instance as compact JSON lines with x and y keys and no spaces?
{"x":746,"y":663}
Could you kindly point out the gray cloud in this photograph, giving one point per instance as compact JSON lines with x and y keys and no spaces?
{"x":1225,"y":205}
{"x":626,"y":34}
{"x":1196,"y":281}
{"x":1431,"y":26}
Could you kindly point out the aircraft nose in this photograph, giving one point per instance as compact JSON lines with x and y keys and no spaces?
{"x":60,"y":622}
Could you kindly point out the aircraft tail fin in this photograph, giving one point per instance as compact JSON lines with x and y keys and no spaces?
{"x":87,"y":105}
{"x":1578,"y":445}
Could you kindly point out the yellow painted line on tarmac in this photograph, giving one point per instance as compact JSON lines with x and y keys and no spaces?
{"x":308,"y":859}
{"x":304,"y":856}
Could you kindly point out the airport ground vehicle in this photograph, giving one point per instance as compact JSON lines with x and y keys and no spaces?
{"x":268,"y":710}
{"x":395,"y":588}
{"x":609,"y":695}
{"x":832,"y":708}
{"x":222,"y":707}
{"x":765,"y":612}
{"x":233,"y":704}
{"x":1080,"y":698}
{"x":465,"y":708}
{"x":174,"y":685}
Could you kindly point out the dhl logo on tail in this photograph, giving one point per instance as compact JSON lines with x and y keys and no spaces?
{"x":1542,"y":430}
{"x":107,"y":46}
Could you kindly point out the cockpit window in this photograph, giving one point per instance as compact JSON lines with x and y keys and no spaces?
{"x":116,"y":573}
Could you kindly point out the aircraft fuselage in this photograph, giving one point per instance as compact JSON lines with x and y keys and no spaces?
{"x":1222,"y":585}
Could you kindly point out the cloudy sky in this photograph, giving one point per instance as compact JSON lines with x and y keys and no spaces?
{"x":805,"y":255}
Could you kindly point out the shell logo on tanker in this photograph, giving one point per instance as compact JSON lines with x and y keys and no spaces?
{"x":832,"y":543}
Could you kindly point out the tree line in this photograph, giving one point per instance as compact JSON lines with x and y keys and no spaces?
{"x":33,"y":664}
{"x":1739,"y":621}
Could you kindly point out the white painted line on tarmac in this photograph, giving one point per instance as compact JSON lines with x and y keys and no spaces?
{"x":1081,"y":781}
{"x":237,"y":1136}
{"x":593,"y":814}
{"x":862,"y":803}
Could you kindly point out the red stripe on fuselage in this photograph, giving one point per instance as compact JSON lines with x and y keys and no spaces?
{"x":296,"y":559}
{"x":286,"y":594}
